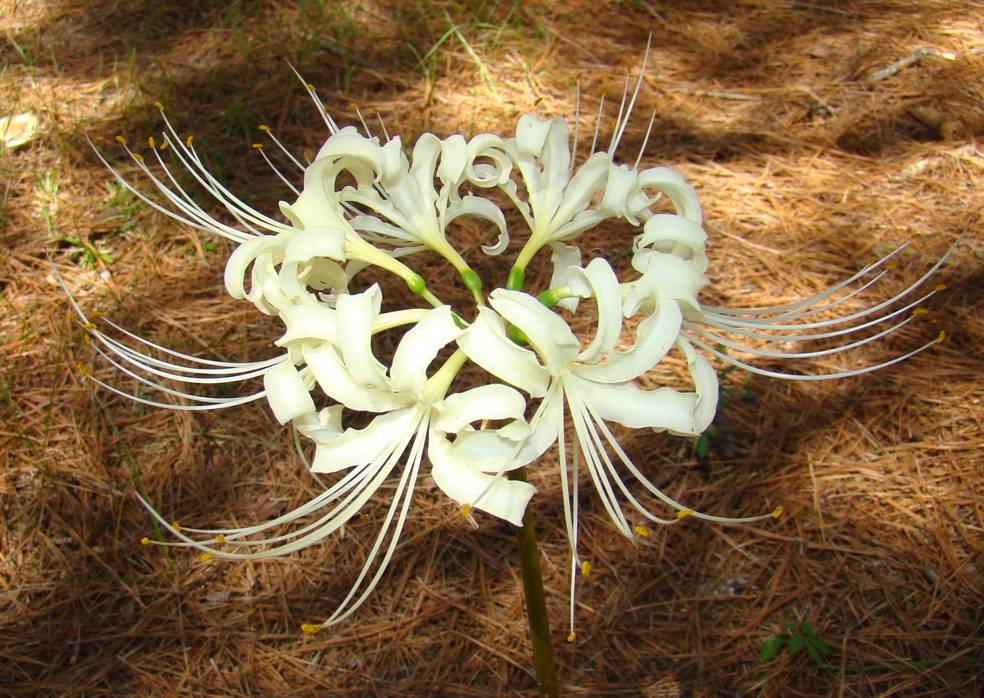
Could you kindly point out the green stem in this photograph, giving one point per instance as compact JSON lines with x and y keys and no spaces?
{"x":536,"y":605}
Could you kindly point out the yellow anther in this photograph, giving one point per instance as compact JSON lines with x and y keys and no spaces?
{"x":585,"y":568}
{"x":941,"y":336}
{"x":919,"y":311}
{"x":205,"y":557}
{"x":310,"y":86}
{"x":138,"y":157}
{"x":189,"y":139}
{"x":363,"y":517}
{"x":89,"y":325}
{"x":264,"y":128}
{"x":893,"y":265}
{"x":220,"y":538}
{"x":159,"y":106}
{"x":164,"y":145}
{"x":310,"y":628}
{"x":572,"y":636}
{"x":175,"y":525}
{"x":684,"y":513}
{"x":83,"y":371}
{"x":151,"y":143}
{"x":940,"y":287}
{"x":777,"y":512}
{"x":121,"y":140}
{"x":257,"y":145}
{"x":145,"y":541}
{"x":641,"y":531}
{"x":466,"y":509}
{"x":85,"y":339}
{"x":536,"y":102}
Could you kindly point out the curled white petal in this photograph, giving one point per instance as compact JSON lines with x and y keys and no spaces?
{"x":286,"y":392}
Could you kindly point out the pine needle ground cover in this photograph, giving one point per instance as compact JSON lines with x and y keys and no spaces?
{"x":819,"y":136}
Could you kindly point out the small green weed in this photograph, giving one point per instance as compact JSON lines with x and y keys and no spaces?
{"x":796,"y":640}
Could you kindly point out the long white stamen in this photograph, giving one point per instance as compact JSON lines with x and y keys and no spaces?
{"x":630,"y":465}
{"x":723,"y":324}
{"x":277,"y":171}
{"x":594,"y":140}
{"x":269,"y":132}
{"x":635,"y":94}
{"x":795,"y":355}
{"x":812,"y":299}
{"x":812,"y":377}
{"x":319,"y":105}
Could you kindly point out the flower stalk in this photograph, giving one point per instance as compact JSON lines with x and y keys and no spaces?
{"x":536,"y":605}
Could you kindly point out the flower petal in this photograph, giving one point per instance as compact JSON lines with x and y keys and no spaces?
{"x":663,"y":409}
{"x":598,"y":280}
{"x":339,"y":384}
{"x":315,"y":242}
{"x":493,"y":401}
{"x":418,"y":347}
{"x":460,"y":480}
{"x":669,"y":182}
{"x":705,"y":383}
{"x":486,"y":344}
{"x":286,"y":392}
{"x":654,"y":337}
{"x":668,"y":233}
{"x":563,"y":257}
{"x":360,"y":446}
{"x":664,"y":276}
{"x":308,"y":323}
{"x":546,"y":330}
{"x":482,"y":208}
{"x":357,"y":313}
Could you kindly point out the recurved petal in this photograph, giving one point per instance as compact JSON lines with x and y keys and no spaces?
{"x":315,"y":242}
{"x":674,"y":234}
{"x":286,"y":392}
{"x":464,"y":483}
{"x":654,"y":337}
{"x":563,"y":257}
{"x":546,"y":330}
{"x":243,"y":256}
{"x":705,"y":383}
{"x":485,"y":342}
{"x":472,"y":205}
{"x":663,"y":409}
{"x":598,"y":281}
{"x":339,"y":384}
{"x":359,"y":446}
{"x":418,"y":347}
{"x":492,"y":401}
{"x":314,"y":323}
{"x":321,"y":426}
{"x":669,"y":182}
{"x":356,"y":313}
{"x":454,"y":158}
{"x":508,"y":448}
{"x":664,"y":276}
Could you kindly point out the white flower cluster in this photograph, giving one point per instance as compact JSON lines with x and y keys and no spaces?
{"x":363,"y":205}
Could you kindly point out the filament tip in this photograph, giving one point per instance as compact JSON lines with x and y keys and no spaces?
{"x":684,"y":513}
{"x":310,"y":628}
{"x":121,"y":140}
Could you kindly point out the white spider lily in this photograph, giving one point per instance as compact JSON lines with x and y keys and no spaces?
{"x":415,"y":415}
{"x":596,"y":381}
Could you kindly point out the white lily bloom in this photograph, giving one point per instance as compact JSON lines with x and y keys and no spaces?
{"x":415,"y":416}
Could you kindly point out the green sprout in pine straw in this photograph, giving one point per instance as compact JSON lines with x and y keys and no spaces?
{"x":796,"y":640}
